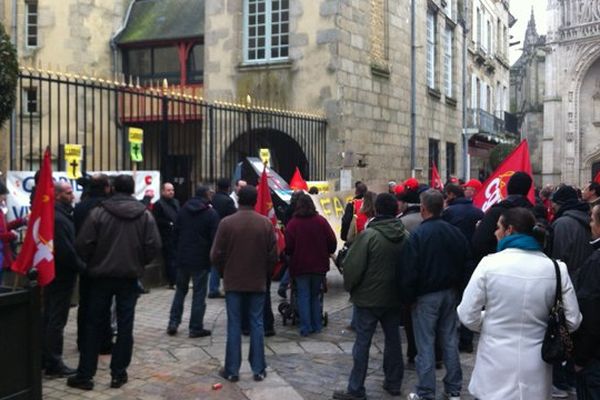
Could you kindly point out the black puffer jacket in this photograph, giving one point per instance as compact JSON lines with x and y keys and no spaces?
{"x":118,"y":238}
{"x":194,"y":234}
{"x":66,"y":260}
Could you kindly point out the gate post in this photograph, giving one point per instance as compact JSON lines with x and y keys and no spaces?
{"x":164,"y":140}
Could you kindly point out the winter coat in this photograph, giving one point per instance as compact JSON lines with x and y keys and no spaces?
{"x":442,"y":259}
{"x":484,"y":239}
{"x":517,"y":289}
{"x":66,"y":260}
{"x":370,"y":265}
{"x":309,"y":241}
{"x":83,"y":208}
{"x":571,"y":235}
{"x":464,"y":215}
{"x":165,"y":214}
{"x":6,"y":237}
{"x":223,"y":204}
{"x":587,"y":287}
{"x":118,"y":238}
{"x":194,"y":234}
{"x":245,"y":251}
{"x":411,"y":218}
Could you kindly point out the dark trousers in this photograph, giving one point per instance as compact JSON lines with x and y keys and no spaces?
{"x":366,"y":320}
{"x":57,"y":301}
{"x":105,"y":331}
{"x":563,"y":376}
{"x":168,"y":253}
{"x":588,"y":382}
{"x":101,"y":292}
{"x":268,"y":318}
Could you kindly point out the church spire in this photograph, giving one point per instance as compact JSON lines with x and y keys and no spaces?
{"x":531,"y":35}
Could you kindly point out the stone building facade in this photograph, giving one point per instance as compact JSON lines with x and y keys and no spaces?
{"x":351,"y":58}
{"x":567,"y":148}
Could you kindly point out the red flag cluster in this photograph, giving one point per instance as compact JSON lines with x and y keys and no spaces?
{"x":436,"y":180}
{"x":37,"y":250}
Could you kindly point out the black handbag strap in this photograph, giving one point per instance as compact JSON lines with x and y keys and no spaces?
{"x":558,"y":295}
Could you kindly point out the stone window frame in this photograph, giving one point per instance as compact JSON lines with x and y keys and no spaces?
{"x":431,"y":48}
{"x":450,"y":159}
{"x":30,"y":106}
{"x":448,"y":60}
{"x":380,"y":46}
{"x":31,"y":24}
{"x":267,"y":47}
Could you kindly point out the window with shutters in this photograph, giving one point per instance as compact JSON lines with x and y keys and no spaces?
{"x":448,"y":42}
{"x":431,"y":49}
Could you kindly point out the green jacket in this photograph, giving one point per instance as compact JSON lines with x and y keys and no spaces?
{"x":370,"y":265}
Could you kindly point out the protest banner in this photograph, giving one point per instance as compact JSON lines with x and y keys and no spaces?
{"x":331,"y":206}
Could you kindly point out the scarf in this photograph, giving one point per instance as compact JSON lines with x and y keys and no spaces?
{"x":519,"y":241}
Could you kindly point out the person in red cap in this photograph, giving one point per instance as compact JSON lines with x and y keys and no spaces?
{"x":411,"y":184}
{"x":471,"y":188}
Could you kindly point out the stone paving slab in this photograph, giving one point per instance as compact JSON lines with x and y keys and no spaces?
{"x":165,"y":367}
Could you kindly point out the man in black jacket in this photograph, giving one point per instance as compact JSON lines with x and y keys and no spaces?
{"x":57,"y":295}
{"x":224,"y":206}
{"x":165,"y":213}
{"x":484,"y":240}
{"x":360,"y":189}
{"x":195,"y":230}
{"x":434,"y":278}
{"x":117,"y":240}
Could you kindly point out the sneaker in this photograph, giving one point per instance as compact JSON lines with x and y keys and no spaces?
{"x":260,"y":377}
{"x":200,"y":333}
{"x":230,"y":378}
{"x":452,"y":396}
{"x":413,"y":396}
{"x":79,"y":382}
{"x":171,"y":330}
{"x":559,"y":393}
{"x":344,"y":395}
{"x":118,"y":381}
{"x":572,"y":390}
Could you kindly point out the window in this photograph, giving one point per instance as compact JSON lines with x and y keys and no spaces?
{"x":450,"y":160}
{"x":31,"y":24}
{"x":448,"y":9}
{"x":153,"y":64}
{"x":488,"y":99}
{"x":430,"y":49}
{"x":448,"y":61}
{"x":31,"y":100}
{"x":434,"y":154}
{"x":195,"y":68}
{"x":478,"y":27}
{"x":489,"y":36}
{"x":499,"y":37}
{"x":267,"y":30}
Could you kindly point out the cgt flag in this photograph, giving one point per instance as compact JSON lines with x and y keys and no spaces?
{"x":264,"y":206}
{"x":436,"y":180}
{"x":493,"y":189}
{"x":37,"y":250}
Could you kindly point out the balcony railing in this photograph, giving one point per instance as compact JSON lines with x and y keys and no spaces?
{"x":488,"y":124}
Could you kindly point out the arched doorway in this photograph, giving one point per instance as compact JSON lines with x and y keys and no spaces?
{"x":286,"y":153}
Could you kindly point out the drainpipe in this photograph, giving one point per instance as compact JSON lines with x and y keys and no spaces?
{"x":13,"y":117}
{"x":413,"y":87}
{"x":465,"y":138}
{"x":113,"y":45}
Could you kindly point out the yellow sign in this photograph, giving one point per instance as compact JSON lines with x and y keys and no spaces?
{"x":73,"y":160}
{"x":265,"y":156}
{"x":136,"y":135}
{"x":331,"y":206}
{"x":322,"y":186}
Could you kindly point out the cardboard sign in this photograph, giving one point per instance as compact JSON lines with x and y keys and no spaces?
{"x":73,"y":160}
{"x":331,"y":205}
{"x":136,"y":135}
{"x":265,"y":156}
{"x":136,"y":151}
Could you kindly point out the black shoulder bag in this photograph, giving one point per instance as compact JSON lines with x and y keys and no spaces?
{"x":558,"y":345}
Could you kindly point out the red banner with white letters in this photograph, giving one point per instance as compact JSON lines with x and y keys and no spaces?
{"x":493,"y":189}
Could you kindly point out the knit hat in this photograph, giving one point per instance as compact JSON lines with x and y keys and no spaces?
{"x":519,"y":183}
{"x":411,"y":184}
{"x":564,"y":194}
{"x":474,"y":184}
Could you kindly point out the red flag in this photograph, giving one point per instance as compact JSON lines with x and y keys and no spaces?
{"x":37,"y":250}
{"x":436,"y":180}
{"x":297,"y":182}
{"x":597,"y":177}
{"x":493,"y":189}
{"x":264,"y":206}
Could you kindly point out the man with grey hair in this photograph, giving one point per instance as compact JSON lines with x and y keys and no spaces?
{"x":435,"y":278}
{"x":57,"y":295}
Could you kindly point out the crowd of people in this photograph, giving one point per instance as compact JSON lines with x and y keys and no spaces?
{"x":423,"y":259}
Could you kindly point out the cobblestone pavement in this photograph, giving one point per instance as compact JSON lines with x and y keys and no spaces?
{"x":166,"y":367}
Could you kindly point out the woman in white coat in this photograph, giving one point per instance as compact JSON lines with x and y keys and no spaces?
{"x":508,"y":300}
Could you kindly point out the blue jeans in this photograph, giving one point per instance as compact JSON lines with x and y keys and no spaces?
{"x":393,"y":366}
{"x":308,"y":288}
{"x":199,"y":279}
{"x":101,"y":292}
{"x":436,"y":313}
{"x":233,"y":348}
{"x":588,"y":381}
{"x":214,"y":281}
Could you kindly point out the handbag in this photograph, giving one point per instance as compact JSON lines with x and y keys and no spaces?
{"x":558,"y":345}
{"x":339,"y":258}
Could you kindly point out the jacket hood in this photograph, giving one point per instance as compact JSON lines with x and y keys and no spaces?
{"x":124,"y":207}
{"x":515,"y":200}
{"x":196,"y":205}
{"x":574,"y":208}
{"x":391,"y":228}
{"x":583,"y":217}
